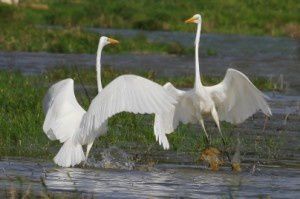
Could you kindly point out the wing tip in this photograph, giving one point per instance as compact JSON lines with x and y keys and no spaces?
{"x":268,"y":112}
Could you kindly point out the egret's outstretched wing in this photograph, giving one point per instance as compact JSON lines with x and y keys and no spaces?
{"x":184,"y":111}
{"x":127,"y":93}
{"x":236,"y":98}
{"x":63,"y":113}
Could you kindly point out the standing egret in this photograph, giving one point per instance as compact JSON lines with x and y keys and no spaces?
{"x":232,"y":100}
{"x":69,"y":123}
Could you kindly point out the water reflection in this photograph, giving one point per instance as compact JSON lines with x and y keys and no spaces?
{"x":169,"y":182}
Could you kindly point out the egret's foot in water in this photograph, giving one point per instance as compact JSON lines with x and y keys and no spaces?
{"x":236,"y":159}
{"x":85,"y":163}
{"x":211,"y":156}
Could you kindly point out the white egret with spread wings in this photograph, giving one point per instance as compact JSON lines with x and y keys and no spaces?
{"x":69,"y":123}
{"x":232,"y":100}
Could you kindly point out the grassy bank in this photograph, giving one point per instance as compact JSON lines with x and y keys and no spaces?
{"x":19,"y":32}
{"x":75,"y":40}
{"x":22,"y":117}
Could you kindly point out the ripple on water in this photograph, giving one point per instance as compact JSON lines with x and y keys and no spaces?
{"x":112,"y":158}
{"x":165,"y":181}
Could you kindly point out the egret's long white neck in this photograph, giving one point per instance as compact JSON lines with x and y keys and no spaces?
{"x":98,"y":66}
{"x":198,"y":83}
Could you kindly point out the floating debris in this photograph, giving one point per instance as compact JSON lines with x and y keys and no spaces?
{"x":236,"y":167}
{"x":211,"y":156}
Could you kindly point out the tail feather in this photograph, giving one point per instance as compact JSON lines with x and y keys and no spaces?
{"x":70,"y":154}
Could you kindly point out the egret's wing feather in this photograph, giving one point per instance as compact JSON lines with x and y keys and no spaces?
{"x":184,"y":111}
{"x":236,"y":98}
{"x":127,"y":93}
{"x":63,"y":113}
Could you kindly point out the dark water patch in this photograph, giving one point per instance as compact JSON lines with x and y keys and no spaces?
{"x":161,"y":65}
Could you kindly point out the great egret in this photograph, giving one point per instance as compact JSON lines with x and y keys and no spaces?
{"x":69,"y":123}
{"x":232,"y":100}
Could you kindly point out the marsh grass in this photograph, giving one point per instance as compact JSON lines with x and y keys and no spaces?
{"x":19,"y":32}
{"x":273,"y":17}
{"x":21,"y":115}
{"x":20,"y":37}
{"x":187,"y":81}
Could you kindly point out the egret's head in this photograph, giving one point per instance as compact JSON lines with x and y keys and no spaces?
{"x":194,"y":19}
{"x":106,"y":40}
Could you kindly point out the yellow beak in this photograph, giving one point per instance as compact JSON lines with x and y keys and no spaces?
{"x":190,"y":20}
{"x":113,"y":41}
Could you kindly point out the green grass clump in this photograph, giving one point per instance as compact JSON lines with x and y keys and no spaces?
{"x":16,"y":37}
{"x":273,"y":17}
{"x":21,"y":115}
{"x":20,"y":26}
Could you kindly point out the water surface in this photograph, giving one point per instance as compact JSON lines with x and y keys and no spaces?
{"x":163,"y":181}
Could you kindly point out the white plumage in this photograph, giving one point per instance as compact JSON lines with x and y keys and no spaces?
{"x":232,"y":100}
{"x":63,"y":117}
{"x":236,"y":98}
{"x":132,"y":94}
{"x":69,"y":123}
{"x":62,"y":111}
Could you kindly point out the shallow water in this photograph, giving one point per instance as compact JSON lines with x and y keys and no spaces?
{"x":164,"y":181}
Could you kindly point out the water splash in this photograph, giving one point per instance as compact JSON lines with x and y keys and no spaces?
{"x":113,"y":158}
